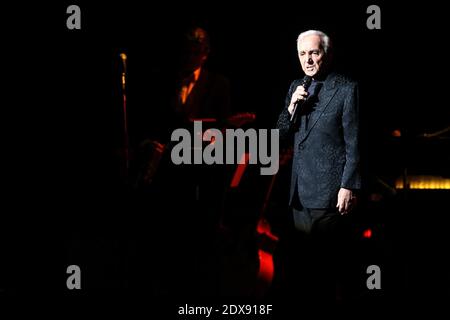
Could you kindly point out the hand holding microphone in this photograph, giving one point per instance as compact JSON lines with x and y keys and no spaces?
{"x":299,"y":96}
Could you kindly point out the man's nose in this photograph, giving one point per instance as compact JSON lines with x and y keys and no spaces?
{"x":310,"y":60}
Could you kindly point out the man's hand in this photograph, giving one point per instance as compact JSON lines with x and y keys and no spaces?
{"x":346,"y":200}
{"x":299,"y":94}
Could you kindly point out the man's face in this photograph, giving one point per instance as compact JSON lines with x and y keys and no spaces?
{"x":311,"y":55}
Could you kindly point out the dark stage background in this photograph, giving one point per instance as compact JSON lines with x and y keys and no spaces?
{"x":69,"y":201}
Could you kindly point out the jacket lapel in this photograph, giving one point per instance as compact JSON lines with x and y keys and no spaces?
{"x":325,"y":96}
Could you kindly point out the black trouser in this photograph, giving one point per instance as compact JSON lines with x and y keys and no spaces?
{"x":313,"y":257}
{"x":323,"y":223}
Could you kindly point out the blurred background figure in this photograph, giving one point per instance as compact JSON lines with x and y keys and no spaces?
{"x":184,"y":227}
{"x":200,"y":92}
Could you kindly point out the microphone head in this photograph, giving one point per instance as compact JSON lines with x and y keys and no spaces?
{"x":306,"y":82}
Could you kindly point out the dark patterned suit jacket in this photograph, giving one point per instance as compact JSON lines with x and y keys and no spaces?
{"x":326,"y":155}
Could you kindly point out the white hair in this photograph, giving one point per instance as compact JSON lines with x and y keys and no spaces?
{"x":325,"y":40}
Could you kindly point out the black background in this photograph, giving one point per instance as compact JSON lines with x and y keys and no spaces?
{"x":63,"y":108}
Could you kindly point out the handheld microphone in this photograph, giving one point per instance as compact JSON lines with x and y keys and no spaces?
{"x":306,"y":82}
